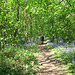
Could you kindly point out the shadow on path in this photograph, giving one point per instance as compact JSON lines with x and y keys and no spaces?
{"x":48,"y":64}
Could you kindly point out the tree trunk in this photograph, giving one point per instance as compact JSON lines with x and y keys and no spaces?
{"x":26,"y":25}
{"x":16,"y":31}
{"x":53,"y":32}
{"x":31,"y":25}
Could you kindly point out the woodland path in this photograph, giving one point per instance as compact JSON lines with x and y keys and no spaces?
{"x":48,"y":64}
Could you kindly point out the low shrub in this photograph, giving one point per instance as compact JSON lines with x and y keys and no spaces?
{"x":17,"y":61}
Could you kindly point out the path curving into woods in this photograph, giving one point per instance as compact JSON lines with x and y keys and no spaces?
{"x":48,"y":64}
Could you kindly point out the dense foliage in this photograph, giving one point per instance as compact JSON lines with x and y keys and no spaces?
{"x":30,"y":18}
{"x":23,"y":20}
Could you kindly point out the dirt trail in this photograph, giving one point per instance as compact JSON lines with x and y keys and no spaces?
{"x":48,"y":64}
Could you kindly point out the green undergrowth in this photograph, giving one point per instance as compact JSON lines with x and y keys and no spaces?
{"x":18,"y":61}
{"x":50,"y":47}
{"x":65,"y":58}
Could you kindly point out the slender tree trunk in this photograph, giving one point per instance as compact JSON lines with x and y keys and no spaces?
{"x":0,"y":41}
{"x":0,"y":26}
{"x":18,"y":11}
{"x":31,"y":25}
{"x":26,"y":17}
{"x":26,"y":25}
{"x":16,"y":31}
{"x":4,"y":33}
{"x":0,"y":45}
{"x":53,"y":31}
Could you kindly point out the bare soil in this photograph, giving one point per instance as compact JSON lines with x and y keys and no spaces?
{"x":48,"y":64}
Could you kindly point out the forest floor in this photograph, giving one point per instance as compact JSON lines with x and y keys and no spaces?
{"x":48,"y":64}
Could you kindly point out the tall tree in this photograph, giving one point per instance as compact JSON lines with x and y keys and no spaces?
{"x":16,"y":31}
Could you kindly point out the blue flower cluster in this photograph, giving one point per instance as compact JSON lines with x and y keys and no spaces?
{"x":66,"y":50}
{"x":31,"y":42}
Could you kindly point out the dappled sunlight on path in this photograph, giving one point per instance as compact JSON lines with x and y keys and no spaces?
{"x":48,"y":64}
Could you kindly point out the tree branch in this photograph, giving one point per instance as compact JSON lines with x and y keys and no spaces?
{"x":68,"y":2}
{"x":61,"y":1}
